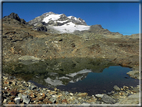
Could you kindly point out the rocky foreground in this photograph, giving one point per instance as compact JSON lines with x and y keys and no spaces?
{"x":18,"y":91}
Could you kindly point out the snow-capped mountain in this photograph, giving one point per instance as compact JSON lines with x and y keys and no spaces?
{"x":60,"y":22}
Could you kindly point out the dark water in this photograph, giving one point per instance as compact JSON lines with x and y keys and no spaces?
{"x":74,"y":75}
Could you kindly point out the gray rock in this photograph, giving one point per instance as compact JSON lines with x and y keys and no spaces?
{"x":116,"y":88}
{"x":76,"y":101}
{"x":99,"y":95}
{"x":67,"y":93}
{"x":63,"y":17}
{"x":17,"y":100}
{"x":110,"y":93}
{"x":135,"y":90}
{"x":41,"y":28}
{"x":25,"y":99}
{"x":98,"y":102}
{"x":134,"y":74}
{"x":20,"y":95}
{"x":32,"y":87}
{"x":62,"y":97}
{"x":52,"y":99}
{"x":107,"y":99}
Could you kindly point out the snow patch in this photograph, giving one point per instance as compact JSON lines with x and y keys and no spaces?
{"x":62,"y":21}
{"x":70,"y":17}
{"x":51,"y":17}
{"x":70,"y":28}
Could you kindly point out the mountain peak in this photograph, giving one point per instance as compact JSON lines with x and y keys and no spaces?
{"x":60,"y":22}
{"x":16,"y":17}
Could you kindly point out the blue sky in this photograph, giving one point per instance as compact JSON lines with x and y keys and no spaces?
{"x":116,"y":17}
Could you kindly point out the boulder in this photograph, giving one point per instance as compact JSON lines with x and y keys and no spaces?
{"x":107,"y":99}
{"x":116,"y":88}
{"x":41,"y":28}
{"x":25,"y":99}
{"x":99,"y":95}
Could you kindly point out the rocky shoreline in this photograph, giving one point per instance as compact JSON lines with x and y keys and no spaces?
{"x":18,"y":91}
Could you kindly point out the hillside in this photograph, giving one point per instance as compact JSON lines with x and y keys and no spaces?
{"x":21,"y":39}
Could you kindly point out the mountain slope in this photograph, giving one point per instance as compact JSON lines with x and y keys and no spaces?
{"x":20,"y":39}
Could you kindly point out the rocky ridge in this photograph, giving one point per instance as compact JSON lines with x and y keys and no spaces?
{"x":16,"y":17}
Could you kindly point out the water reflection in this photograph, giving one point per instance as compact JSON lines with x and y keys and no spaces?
{"x":56,"y":80}
{"x":75,"y":74}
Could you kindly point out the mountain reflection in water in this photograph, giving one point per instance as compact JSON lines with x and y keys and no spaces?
{"x":76,"y":74}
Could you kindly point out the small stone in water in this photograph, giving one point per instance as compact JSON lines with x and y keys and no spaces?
{"x":116,"y":88}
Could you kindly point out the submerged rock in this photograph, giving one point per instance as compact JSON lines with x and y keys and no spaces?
{"x":116,"y":88}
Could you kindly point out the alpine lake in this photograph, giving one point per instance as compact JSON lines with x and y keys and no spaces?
{"x":94,"y":76}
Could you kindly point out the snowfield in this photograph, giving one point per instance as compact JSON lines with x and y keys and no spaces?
{"x":70,"y":28}
{"x":51,"y":17}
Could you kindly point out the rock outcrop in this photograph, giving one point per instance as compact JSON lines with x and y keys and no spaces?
{"x":16,"y":17}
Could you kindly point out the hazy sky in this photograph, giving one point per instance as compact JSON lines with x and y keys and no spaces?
{"x":116,"y":17}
